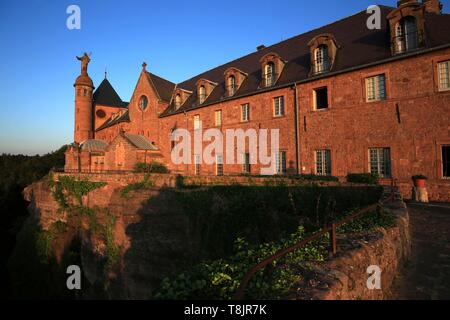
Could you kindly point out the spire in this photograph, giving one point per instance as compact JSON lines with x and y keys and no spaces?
{"x":106,"y":73}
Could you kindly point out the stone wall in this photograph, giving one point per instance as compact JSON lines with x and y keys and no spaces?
{"x":345,"y":276}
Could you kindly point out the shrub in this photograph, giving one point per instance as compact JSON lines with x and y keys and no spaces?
{"x":147,"y":183}
{"x":313,"y":177}
{"x":153,"y":167}
{"x":368,"y":178}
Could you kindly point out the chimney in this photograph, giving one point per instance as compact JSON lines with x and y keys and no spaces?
{"x":433,"y":6}
{"x":261,"y":47}
{"x":403,"y":2}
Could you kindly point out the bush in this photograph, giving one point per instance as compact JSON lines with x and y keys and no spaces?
{"x":368,"y":178}
{"x":313,"y":177}
{"x":419,"y":176}
{"x":153,"y":167}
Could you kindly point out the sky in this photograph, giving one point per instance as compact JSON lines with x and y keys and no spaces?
{"x":177,"y":40}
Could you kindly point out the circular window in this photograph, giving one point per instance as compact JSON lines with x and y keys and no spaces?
{"x":143,"y":102}
{"x":100,"y":113}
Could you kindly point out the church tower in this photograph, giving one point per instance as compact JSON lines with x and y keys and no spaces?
{"x":83,"y":103}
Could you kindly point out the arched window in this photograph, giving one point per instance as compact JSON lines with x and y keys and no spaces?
{"x":177,"y":101}
{"x":406,"y":35}
{"x":321,"y":59}
{"x":143,"y":102}
{"x":231,"y":85}
{"x":269,"y":74}
{"x":201,"y":94}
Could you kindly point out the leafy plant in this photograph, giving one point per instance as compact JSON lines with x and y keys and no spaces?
{"x":153,"y":167}
{"x":147,"y":183}
{"x":367,"y":178}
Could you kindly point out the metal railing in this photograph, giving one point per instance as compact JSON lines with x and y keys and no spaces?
{"x":92,"y":171}
{"x":407,"y":42}
{"x":331,"y":229}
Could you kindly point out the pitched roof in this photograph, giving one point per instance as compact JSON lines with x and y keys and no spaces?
{"x":357,"y":46}
{"x":94,"y":145}
{"x":106,"y":95}
{"x":115,"y":119}
{"x":162,"y":86}
{"x":140,"y":141}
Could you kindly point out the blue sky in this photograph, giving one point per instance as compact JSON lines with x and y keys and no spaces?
{"x":177,"y":39}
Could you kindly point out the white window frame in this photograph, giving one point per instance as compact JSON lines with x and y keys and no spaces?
{"x":278,"y":106}
{"x":218,"y":118}
{"x":245,"y":112}
{"x":197,"y":122}
{"x":201,"y":94}
{"x":280,"y":162}
{"x":322,"y":61}
{"x":219,"y":165}
{"x":269,"y":76}
{"x":246,"y":166}
{"x":197,"y":164}
{"x":377,"y":158}
{"x":376,"y":88}
{"x":443,"y":70}
{"x":323,"y":162}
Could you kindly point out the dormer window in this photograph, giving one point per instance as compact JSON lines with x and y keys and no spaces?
{"x":272,"y":66}
{"x":407,"y":26}
{"x":406,"y":35}
{"x":269,"y":75}
{"x":321,"y":59}
{"x":231,"y":86}
{"x":323,"y":51}
{"x":233,"y":80}
{"x":177,"y":101}
{"x":201,"y":94}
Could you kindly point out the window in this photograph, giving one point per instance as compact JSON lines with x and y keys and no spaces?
{"x":231,"y":88}
{"x":196,"y":122}
{"x":84,"y":92}
{"x":143,"y":102}
{"x":321,"y":60}
{"x":245,"y":112}
{"x":246,"y":163}
{"x":201,"y":94}
{"x":406,"y":35}
{"x":219,"y":165}
{"x":323,"y":162}
{"x":197,"y":166}
{"x":380,"y":161}
{"x":446,"y":162}
{"x":376,"y":88}
{"x":280,"y":162}
{"x":177,"y":101}
{"x":269,"y":76}
{"x":321,"y":98}
{"x":444,"y":75}
{"x":278,"y":106}
{"x":218,"y":117}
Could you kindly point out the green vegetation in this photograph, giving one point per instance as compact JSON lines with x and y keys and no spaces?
{"x":153,"y":167}
{"x":17,"y":172}
{"x":240,"y":226}
{"x":72,"y":187}
{"x":314,"y":177}
{"x":147,"y":183}
{"x":367,"y":178}
{"x":219,"y":279}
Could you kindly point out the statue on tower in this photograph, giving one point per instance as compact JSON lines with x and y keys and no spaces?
{"x":84,"y":62}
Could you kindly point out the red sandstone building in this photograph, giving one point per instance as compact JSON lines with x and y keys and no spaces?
{"x":345,"y":98}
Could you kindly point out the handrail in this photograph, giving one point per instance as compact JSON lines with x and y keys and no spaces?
{"x":239,"y":295}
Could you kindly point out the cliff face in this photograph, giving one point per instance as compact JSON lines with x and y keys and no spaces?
{"x":148,"y":238}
